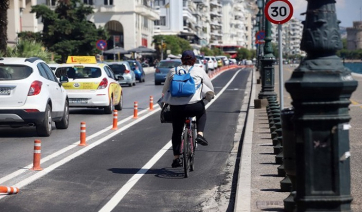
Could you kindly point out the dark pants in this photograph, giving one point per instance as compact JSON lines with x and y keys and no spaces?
{"x":179,"y":114}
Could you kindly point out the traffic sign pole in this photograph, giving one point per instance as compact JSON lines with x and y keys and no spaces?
{"x":281,"y":82}
{"x":279,"y":12}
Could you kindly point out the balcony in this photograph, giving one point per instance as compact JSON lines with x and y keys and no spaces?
{"x":215,"y":3}
{"x":147,"y":12}
{"x":215,"y":13}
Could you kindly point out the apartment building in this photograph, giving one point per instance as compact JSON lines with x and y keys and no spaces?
{"x":130,"y":22}
{"x":20,"y":19}
{"x":292,"y":32}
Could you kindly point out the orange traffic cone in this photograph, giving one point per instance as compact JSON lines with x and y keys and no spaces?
{"x":37,"y":155}
{"x":9,"y":190}
{"x":115,"y":119}
{"x":135,"y":110}
{"x":82,"y":134}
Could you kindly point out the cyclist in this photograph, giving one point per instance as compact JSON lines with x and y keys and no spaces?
{"x":182,"y":107}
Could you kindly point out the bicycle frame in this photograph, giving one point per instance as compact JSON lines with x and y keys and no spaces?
{"x":188,"y":145}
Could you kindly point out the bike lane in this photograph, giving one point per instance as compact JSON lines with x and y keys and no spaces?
{"x":88,"y":182}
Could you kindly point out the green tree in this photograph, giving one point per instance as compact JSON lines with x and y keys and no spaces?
{"x":206,"y":51}
{"x":66,"y":29}
{"x":28,"y":48}
{"x":244,"y":53}
{"x":157,"y":42}
{"x":4,"y":6}
{"x":171,"y":42}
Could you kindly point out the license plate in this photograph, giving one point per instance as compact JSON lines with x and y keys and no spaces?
{"x":78,"y":101}
{"x":5,"y":91}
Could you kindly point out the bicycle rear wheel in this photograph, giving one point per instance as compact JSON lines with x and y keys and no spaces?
{"x":193,"y":148}
{"x":185,"y":154}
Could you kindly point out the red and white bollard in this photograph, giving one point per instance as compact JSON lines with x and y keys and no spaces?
{"x":151,"y":102}
{"x":37,"y":156}
{"x":82,"y":134}
{"x":135,"y":110}
{"x":115,"y":120}
{"x":9,"y":190}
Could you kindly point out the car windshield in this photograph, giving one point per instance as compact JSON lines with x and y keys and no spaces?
{"x":118,"y":68}
{"x":169,"y":64}
{"x":79,"y":72}
{"x":14,"y":72}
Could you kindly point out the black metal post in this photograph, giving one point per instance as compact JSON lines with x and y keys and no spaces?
{"x":320,"y":89}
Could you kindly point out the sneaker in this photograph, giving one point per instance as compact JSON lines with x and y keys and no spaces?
{"x":201,"y":140}
{"x":176,"y":163}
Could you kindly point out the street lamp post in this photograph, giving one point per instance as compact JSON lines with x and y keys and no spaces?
{"x":267,"y":68}
{"x":321,"y":88}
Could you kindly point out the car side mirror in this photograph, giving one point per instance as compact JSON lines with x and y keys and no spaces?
{"x":64,"y":79}
{"x":133,"y":68}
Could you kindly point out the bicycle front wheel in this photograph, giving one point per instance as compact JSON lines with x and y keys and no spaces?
{"x":185,"y":154}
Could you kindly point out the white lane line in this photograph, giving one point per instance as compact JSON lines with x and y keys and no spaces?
{"x":78,"y":153}
{"x":114,"y":201}
{"x":68,"y":148}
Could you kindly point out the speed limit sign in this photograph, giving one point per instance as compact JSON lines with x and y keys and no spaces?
{"x":278,"y":11}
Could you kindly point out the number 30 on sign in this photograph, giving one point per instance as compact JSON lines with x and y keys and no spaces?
{"x":278,"y":11}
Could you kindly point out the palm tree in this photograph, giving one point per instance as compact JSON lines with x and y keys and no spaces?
{"x":4,"y":6}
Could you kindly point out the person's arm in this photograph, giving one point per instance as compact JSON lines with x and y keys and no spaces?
{"x":166,"y":86}
{"x":207,"y":81}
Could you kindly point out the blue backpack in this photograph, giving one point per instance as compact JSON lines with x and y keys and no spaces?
{"x":183,"y":85}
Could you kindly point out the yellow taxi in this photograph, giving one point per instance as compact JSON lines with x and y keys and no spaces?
{"x":90,"y":84}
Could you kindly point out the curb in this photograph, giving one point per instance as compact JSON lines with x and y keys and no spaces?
{"x":243,"y":189}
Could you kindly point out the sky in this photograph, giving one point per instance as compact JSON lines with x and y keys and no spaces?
{"x":347,"y":10}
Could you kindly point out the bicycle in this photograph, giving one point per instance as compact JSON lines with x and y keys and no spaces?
{"x":188,"y":145}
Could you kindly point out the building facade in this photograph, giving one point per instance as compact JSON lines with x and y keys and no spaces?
{"x":354,"y":36}
{"x":130,"y":23}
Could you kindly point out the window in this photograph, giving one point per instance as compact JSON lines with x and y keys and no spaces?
{"x":145,"y":22}
{"x":162,"y":20}
{"x":51,"y":2}
{"x":108,"y":2}
{"x":90,"y":2}
{"x":160,"y":2}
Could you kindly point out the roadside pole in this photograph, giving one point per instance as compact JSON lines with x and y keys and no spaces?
{"x":281,"y":81}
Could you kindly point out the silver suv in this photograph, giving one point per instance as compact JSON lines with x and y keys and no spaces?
{"x":31,"y":95}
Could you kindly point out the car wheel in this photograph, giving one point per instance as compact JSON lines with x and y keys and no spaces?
{"x":130,"y":84}
{"x":45,"y":127}
{"x":143,"y":80}
{"x":157,"y":83}
{"x":119,"y":106}
{"x":109,"y":109}
{"x":64,"y":123}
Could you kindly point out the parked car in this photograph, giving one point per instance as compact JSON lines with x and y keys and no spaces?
{"x":220,"y":63}
{"x":163,"y":68}
{"x":204,"y":61}
{"x":215,"y":61}
{"x":138,"y":70}
{"x":31,"y":95}
{"x":210,"y":63}
{"x":91,"y":84}
{"x":224,"y":58}
{"x":199,"y":63}
{"x":123,"y":72}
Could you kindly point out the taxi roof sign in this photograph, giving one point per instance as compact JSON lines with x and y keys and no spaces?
{"x":81,"y":59}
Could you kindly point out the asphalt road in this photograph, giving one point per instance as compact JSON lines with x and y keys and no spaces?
{"x":124,"y":170}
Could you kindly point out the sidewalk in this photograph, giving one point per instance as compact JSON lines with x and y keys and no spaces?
{"x":258,"y":182}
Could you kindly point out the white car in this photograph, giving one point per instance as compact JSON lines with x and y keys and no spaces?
{"x":91,"y":84}
{"x":199,"y":63}
{"x":210,"y":62}
{"x":53,"y":66}
{"x":123,"y":71}
{"x":31,"y":95}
